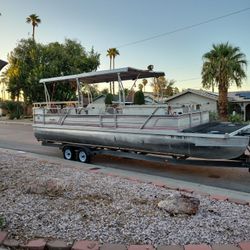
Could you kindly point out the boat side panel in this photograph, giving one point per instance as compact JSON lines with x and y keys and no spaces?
{"x":171,"y":122}
{"x":194,"y":147}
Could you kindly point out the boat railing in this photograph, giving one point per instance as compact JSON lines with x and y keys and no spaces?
{"x":114,"y":110}
{"x":55,"y":104}
{"x":114,"y":117}
{"x":148,"y":118}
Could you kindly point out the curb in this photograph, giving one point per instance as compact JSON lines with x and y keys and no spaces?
{"x":16,"y":123}
{"x":42,"y":244}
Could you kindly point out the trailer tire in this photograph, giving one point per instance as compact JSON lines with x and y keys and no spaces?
{"x":68,"y":153}
{"x":182,"y":157}
{"x":83,"y":155}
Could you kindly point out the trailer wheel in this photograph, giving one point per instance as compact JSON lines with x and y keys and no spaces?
{"x":182,"y":157}
{"x":68,"y":153}
{"x":83,"y":155}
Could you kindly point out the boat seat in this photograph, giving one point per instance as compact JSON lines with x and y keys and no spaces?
{"x":111,"y":110}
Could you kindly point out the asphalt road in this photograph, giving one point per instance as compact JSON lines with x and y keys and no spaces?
{"x":20,"y":137}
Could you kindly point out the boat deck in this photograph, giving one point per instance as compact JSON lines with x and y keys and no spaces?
{"x":215,"y":128}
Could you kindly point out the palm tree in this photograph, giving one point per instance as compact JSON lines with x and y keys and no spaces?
{"x":140,"y":86}
{"x":144,"y":82}
{"x":109,"y":53}
{"x":159,"y":85}
{"x":112,"y":53}
{"x":223,"y":66}
{"x":34,"y":20}
{"x":170,"y":89}
{"x":115,"y":52}
{"x":163,"y":87}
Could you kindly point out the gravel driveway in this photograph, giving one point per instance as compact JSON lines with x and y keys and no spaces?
{"x":42,"y":198}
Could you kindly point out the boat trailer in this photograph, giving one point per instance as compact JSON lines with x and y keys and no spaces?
{"x":84,"y":153}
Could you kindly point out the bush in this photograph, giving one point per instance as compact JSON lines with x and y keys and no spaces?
{"x":108,"y":99}
{"x":139,"y":98}
{"x":213,"y":116}
{"x":14,"y":109}
{"x":2,"y":222}
{"x":237,"y":118}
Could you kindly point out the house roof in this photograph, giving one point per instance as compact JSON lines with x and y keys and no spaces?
{"x":99,"y":97}
{"x":203,"y":93}
{"x":238,"y":96}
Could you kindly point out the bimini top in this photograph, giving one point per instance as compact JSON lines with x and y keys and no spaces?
{"x":106,"y":76}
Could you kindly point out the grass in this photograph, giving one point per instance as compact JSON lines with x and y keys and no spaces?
{"x":2,"y":222}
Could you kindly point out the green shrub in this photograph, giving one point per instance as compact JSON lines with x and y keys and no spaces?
{"x":2,"y":222}
{"x":139,"y":98}
{"x":237,"y":118}
{"x":108,"y":99}
{"x":14,"y":109}
{"x":213,"y":116}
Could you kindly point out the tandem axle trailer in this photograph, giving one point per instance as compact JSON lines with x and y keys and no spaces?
{"x":84,"y":153}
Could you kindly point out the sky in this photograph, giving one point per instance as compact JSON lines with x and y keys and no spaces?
{"x":103,"y":24}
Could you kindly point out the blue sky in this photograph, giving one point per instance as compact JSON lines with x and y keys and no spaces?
{"x":112,"y":23}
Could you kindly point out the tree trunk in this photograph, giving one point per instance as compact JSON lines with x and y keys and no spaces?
{"x":33,"y":33}
{"x":110,"y":67}
{"x":25,"y":105}
{"x":113,"y":81}
{"x":223,"y":102}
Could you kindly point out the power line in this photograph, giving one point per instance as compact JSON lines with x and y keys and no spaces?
{"x":194,"y":78}
{"x":190,"y":79}
{"x":184,"y":28}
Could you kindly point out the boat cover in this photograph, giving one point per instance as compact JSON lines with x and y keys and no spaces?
{"x":106,"y":76}
{"x":215,"y":128}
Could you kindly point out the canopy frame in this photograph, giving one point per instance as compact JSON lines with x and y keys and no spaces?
{"x":104,"y":76}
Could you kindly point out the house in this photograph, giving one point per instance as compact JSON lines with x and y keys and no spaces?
{"x":149,"y":98}
{"x":100,"y":100}
{"x":97,"y":105}
{"x":205,"y":100}
{"x":3,"y":93}
{"x":195,"y":100}
{"x":241,"y":102}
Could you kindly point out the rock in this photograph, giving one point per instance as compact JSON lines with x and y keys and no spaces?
{"x":11,"y":243}
{"x":51,"y":186}
{"x":180,"y":204}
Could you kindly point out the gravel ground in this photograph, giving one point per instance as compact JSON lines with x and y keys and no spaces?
{"x":108,"y":209}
